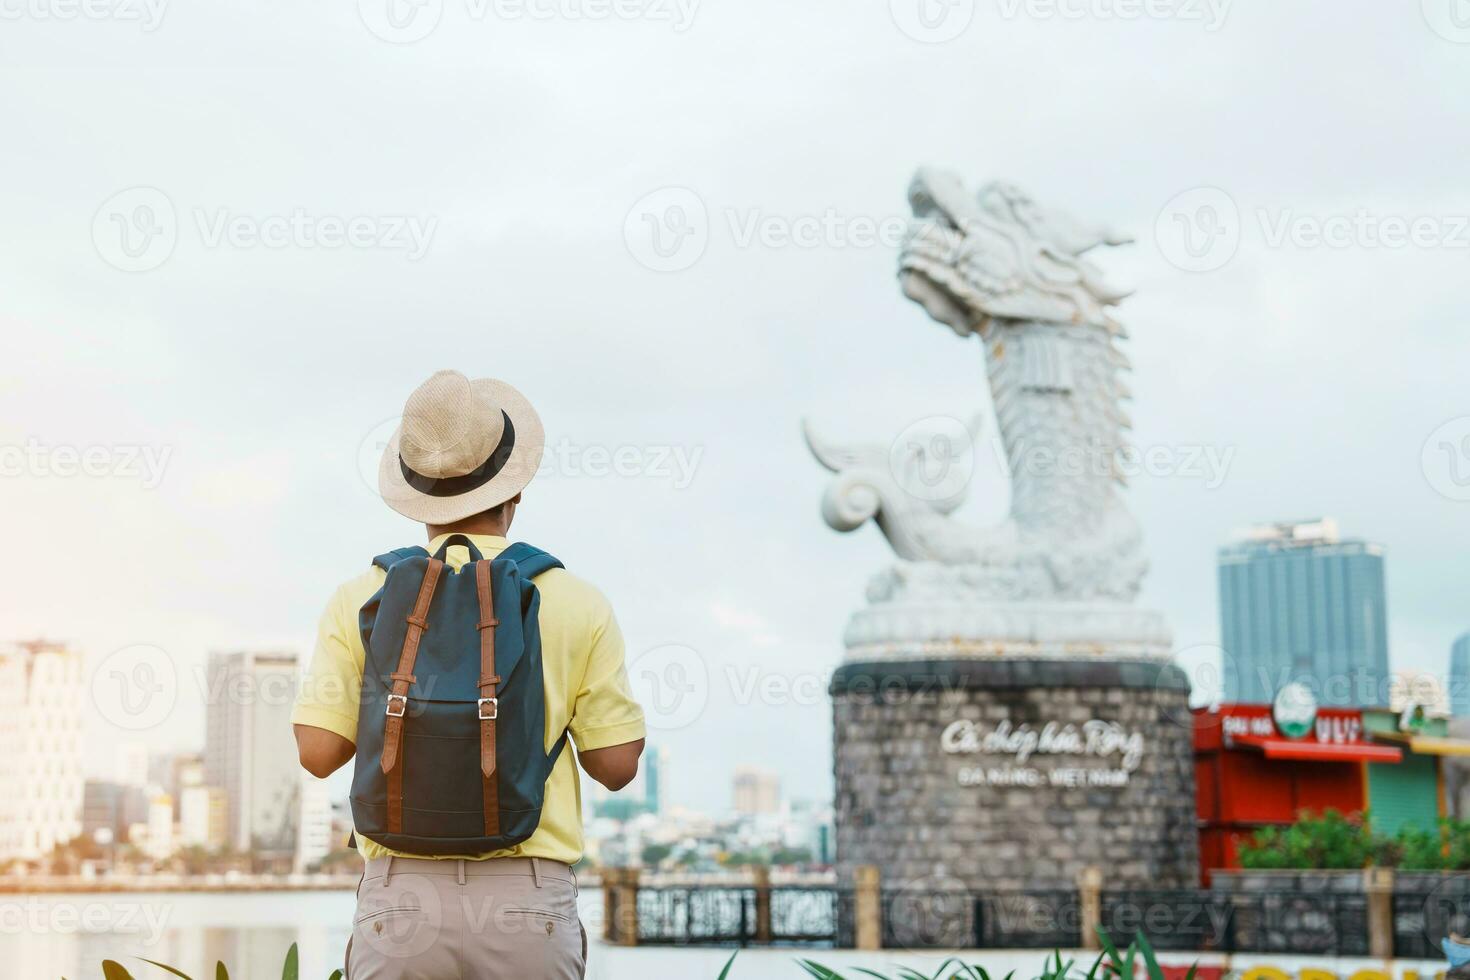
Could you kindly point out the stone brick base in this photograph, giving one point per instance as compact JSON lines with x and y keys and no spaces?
{"x":980,"y":821}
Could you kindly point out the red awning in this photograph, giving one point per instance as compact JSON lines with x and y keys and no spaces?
{"x":1283,"y":748}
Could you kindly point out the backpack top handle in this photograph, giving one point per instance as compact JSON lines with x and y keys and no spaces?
{"x":455,"y":539}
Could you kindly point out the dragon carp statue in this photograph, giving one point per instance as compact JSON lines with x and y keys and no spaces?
{"x":1057,"y":577}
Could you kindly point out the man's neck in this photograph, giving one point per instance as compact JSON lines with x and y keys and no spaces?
{"x":479,"y":524}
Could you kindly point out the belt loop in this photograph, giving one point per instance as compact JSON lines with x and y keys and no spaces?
{"x":460,"y":863}
{"x":536,"y":871}
{"x":388,"y":871}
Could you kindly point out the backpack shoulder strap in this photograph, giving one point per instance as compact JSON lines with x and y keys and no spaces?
{"x":388,"y":559}
{"x":531,"y":561}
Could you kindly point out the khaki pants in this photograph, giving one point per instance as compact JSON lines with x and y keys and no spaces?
{"x":445,"y":920}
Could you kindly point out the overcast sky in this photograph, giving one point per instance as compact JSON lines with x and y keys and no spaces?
{"x":175,"y":289}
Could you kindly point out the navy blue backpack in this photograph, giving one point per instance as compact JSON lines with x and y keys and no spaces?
{"x":450,"y":734}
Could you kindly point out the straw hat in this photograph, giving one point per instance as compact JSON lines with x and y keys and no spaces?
{"x":462,"y":447}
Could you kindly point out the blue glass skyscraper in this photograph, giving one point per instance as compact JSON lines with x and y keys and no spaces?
{"x":1460,"y":676}
{"x":1297,"y":603}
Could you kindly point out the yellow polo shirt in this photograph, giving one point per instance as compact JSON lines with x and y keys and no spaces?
{"x":586,"y":688}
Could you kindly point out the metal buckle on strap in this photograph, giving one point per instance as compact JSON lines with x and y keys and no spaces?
{"x":402,"y":700}
{"x":494,"y":709}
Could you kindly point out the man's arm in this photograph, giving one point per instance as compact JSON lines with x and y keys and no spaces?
{"x":607,"y":723}
{"x":614,"y":766}
{"x":325,"y":715}
{"x":323,"y":753}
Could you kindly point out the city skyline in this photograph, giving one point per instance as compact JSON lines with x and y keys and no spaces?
{"x":1239,"y":539}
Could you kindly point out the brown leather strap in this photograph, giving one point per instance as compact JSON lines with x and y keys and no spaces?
{"x":398,"y":698}
{"x":489,"y":708}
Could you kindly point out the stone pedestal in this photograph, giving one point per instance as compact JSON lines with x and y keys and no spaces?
{"x":985,"y":774}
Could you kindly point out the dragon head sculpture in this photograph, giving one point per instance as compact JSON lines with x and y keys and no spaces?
{"x":998,"y":254}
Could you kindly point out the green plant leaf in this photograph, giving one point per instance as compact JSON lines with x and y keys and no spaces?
{"x":871,"y":973}
{"x":723,"y":973}
{"x":113,"y":970}
{"x":292,"y":969}
{"x":220,"y":973}
{"x":166,"y":968}
{"x":1150,"y":961}
{"x":818,"y":970}
{"x":337,"y":975}
{"x":944,"y":967}
{"x":1113,"y":963}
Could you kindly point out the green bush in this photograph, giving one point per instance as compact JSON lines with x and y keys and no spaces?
{"x":1333,"y":841}
{"x":1328,"y":841}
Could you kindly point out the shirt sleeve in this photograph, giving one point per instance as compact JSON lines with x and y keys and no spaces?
{"x":606,"y":713}
{"x":330,"y":689}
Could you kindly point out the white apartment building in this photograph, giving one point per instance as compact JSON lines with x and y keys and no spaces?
{"x":203,"y":817}
{"x":314,"y":832}
{"x":158,"y":841}
{"x":41,"y":696}
{"x":756,"y":791}
{"x":250,"y":751}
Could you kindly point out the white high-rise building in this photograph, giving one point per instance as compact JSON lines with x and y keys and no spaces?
{"x":756,"y":791}
{"x":203,"y":817}
{"x":41,"y":695}
{"x":158,"y":842}
{"x":130,"y":767}
{"x":250,"y":751}
{"x":314,"y":833}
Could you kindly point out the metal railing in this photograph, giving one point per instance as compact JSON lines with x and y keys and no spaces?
{"x":1279,"y":920}
{"x":713,"y":915}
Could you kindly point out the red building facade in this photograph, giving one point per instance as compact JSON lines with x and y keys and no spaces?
{"x":1250,"y":774}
